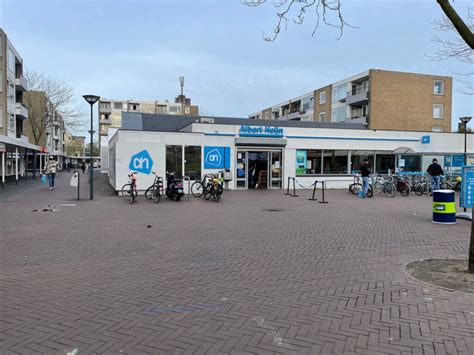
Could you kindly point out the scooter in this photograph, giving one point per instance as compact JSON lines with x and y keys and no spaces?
{"x":174,"y":187}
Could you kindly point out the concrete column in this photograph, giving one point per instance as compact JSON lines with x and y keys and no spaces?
{"x":26,"y":164}
{"x":3,"y":170}
{"x":34,"y":164}
{"x":16,"y":165}
{"x":41,"y":163}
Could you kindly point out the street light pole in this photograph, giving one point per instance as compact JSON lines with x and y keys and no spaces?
{"x":181,"y":82}
{"x":91,"y":100}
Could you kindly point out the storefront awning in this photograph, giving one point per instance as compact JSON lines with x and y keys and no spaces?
{"x":427,"y":150}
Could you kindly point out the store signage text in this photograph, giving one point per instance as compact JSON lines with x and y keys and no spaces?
{"x":141,"y":162}
{"x":260,"y":131}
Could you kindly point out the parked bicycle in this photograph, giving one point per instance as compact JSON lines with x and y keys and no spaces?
{"x":198,"y":186}
{"x":129,"y":190}
{"x":384,"y":185}
{"x":213,"y":189}
{"x":154,"y":192}
{"x":356,"y":187}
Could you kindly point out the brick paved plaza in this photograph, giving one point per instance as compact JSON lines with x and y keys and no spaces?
{"x":259,"y":272}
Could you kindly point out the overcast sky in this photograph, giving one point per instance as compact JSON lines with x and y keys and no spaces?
{"x":138,"y":49}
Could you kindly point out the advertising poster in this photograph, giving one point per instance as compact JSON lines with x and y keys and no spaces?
{"x":301,"y":159}
{"x":467,"y":187}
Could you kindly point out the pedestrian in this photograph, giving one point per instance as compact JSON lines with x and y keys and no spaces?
{"x":435,"y":170}
{"x":365,"y":172}
{"x":83,"y":167}
{"x":51,"y":169}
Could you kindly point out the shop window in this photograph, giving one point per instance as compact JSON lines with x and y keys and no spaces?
{"x":335,"y":162}
{"x":192,"y":162}
{"x":357,"y":157}
{"x":384,"y":163}
{"x":174,"y":159}
{"x":410,"y":163}
{"x":308,"y":162}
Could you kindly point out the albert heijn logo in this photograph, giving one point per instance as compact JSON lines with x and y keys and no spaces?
{"x":141,"y":162}
{"x":214,"y":158}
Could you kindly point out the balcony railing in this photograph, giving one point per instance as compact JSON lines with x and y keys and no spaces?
{"x":21,"y":84}
{"x":21,"y":111}
{"x":358,"y":119}
{"x":357,"y":97}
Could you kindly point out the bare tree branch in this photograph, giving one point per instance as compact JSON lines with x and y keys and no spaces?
{"x":464,"y":31}
{"x":329,"y":11}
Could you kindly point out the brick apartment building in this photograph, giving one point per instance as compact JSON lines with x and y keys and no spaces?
{"x":380,"y":99}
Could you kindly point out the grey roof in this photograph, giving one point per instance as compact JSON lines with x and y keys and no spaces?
{"x":175,"y":123}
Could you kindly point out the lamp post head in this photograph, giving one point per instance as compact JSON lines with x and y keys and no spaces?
{"x":91,"y":99}
{"x":465,"y":119}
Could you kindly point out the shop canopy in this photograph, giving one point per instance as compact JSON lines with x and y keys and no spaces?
{"x":427,"y":151}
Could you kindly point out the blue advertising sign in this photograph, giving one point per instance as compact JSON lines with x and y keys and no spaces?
{"x":457,"y":161}
{"x":467,"y":187}
{"x":216,"y":158}
{"x":301,"y":161}
{"x":261,"y":131}
{"x":141,"y":162}
{"x":425,"y":140}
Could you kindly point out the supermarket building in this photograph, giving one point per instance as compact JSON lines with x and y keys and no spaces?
{"x":267,"y":152}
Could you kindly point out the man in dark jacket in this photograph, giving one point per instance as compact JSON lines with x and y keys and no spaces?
{"x":365,"y":172}
{"x":435,"y":172}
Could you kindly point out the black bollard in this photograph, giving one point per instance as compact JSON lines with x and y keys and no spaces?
{"x":314,"y":191}
{"x":294,"y":188}
{"x":288,"y":187}
{"x":324,"y":187}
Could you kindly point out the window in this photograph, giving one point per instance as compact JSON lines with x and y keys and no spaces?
{"x":437,"y":129}
{"x":187,"y":110}
{"x":174,"y":158}
{"x":358,"y":156}
{"x":322,"y":97}
{"x":338,"y":114}
{"x":339,"y":93}
{"x":308,"y":162}
{"x":11,"y":91}
{"x":412,"y":163}
{"x":11,"y":60}
{"x":134,"y":107}
{"x":306,"y":103}
{"x":105,"y":105}
{"x":118,"y":105}
{"x":438,"y":87}
{"x":192,"y":162}
{"x":311,"y":101}
{"x":11,"y":122}
{"x":322,"y":116}
{"x":438,"y":110}
{"x":335,"y":162}
{"x":173,"y":109}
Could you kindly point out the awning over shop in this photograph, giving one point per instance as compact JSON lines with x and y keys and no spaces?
{"x":426,"y":150}
{"x":18,"y":143}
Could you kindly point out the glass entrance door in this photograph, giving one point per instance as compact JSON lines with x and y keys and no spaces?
{"x":275,"y":168}
{"x":241,"y":170}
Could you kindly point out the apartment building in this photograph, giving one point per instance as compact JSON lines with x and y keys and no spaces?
{"x":16,"y":150}
{"x":110,"y":116}
{"x":45,"y":127}
{"x":74,"y":146}
{"x":380,"y":99}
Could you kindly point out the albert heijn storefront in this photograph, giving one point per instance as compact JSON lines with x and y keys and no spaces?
{"x":263,"y":154}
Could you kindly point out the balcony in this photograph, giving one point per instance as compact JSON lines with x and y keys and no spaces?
{"x":106,"y":121}
{"x":358,"y":119}
{"x":357,"y":97}
{"x":105,"y":108}
{"x":21,"y":111}
{"x":20,"y":84}
{"x":292,"y":116}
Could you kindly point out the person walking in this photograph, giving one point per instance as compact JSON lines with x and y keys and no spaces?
{"x":435,"y":170}
{"x":365,"y":172}
{"x":51,"y":169}
{"x":83,"y":167}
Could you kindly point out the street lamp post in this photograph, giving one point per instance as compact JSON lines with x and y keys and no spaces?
{"x":91,"y":100}
{"x":181,"y":83}
{"x":465,"y":120}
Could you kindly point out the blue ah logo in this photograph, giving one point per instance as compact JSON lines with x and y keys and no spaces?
{"x":141,"y":162}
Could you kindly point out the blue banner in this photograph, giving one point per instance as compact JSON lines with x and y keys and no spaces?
{"x":467,"y":187}
{"x":457,"y":161}
{"x":141,"y":162}
{"x":216,"y":157}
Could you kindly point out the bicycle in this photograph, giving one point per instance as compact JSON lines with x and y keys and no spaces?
{"x":154,"y":191}
{"x":384,"y":184}
{"x":198,"y":186}
{"x":356,"y":188}
{"x":214,"y":189}
{"x":129,"y":190}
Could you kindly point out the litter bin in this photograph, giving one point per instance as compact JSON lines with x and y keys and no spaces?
{"x":444,"y":207}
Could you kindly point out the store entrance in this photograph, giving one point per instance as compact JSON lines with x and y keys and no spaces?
{"x":259,"y":169}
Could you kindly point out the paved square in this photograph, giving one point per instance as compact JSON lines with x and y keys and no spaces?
{"x":258,"y":272}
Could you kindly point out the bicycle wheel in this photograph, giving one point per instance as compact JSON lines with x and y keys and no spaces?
{"x":157,"y":196}
{"x":370,"y":192}
{"x":150,"y":192}
{"x":355,"y":188}
{"x":418,"y":189}
{"x":390,"y":189}
{"x":405,"y":191}
{"x":197,"y":189}
{"x":378,"y":187}
{"x":207,"y":193}
{"x":126,"y":191}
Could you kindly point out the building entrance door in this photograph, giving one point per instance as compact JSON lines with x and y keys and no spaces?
{"x":259,"y":169}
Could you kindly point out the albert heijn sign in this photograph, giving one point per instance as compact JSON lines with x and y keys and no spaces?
{"x":141,"y":162}
{"x":216,"y":157}
{"x":261,"y":131}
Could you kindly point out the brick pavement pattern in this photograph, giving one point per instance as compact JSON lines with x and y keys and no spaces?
{"x":257,"y":273}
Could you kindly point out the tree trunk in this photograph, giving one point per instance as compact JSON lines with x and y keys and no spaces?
{"x":457,"y":22}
